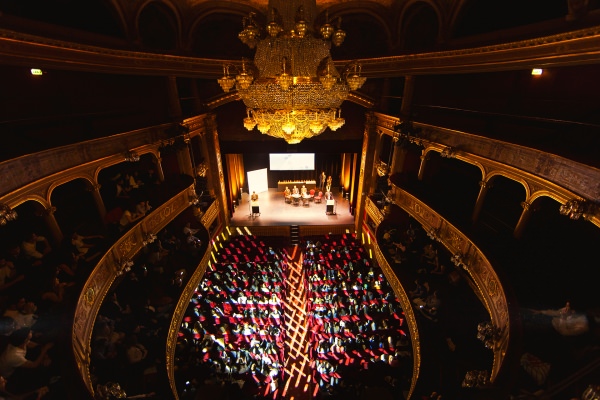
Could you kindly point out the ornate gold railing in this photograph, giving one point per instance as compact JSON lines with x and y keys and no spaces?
{"x":107,"y":270}
{"x":411,"y":321}
{"x":485,"y":281}
{"x":178,"y":314}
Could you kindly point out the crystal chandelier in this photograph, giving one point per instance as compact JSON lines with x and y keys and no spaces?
{"x":292,"y":90}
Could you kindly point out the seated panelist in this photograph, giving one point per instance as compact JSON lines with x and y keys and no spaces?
{"x":287,"y":192}
{"x":303,"y":190}
{"x":295,"y":190}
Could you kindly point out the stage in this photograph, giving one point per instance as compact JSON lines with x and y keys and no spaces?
{"x":275,"y":211}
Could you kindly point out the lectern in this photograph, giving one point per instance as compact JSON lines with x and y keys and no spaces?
{"x":254,"y":209}
{"x":330,"y":207}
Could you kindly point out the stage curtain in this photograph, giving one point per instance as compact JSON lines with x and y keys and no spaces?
{"x":235,"y":169}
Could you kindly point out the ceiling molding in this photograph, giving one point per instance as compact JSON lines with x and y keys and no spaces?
{"x":566,"y":49}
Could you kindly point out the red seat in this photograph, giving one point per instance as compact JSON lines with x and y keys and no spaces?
{"x":318,"y":197}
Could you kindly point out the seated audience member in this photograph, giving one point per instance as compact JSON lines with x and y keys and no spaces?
{"x":142,"y":207}
{"x":36,"y":394}
{"x":22,"y":372}
{"x":8,"y":275}
{"x":188,"y":229}
{"x":82,"y":243}
{"x":35,"y":247}
{"x":128,"y":218}
{"x":22,"y":312}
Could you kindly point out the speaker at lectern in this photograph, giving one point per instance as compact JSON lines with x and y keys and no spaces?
{"x":330,"y":205}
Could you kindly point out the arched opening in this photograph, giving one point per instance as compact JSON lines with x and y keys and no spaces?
{"x":76,"y":210}
{"x":420,"y":28}
{"x":157,"y":27}
{"x":502,"y":206}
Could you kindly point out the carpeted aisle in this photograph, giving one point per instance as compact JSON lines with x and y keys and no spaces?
{"x":297,"y":365}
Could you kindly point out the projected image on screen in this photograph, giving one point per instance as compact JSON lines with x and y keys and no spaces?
{"x":257,"y":181}
{"x":292,"y":161}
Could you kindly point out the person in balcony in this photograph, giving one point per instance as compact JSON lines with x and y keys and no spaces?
{"x":35,"y":247}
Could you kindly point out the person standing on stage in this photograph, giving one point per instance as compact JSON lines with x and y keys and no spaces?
{"x":328,"y":187}
{"x":254,"y":196}
{"x":323,"y":179}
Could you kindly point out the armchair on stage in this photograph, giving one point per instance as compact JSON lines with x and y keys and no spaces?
{"x":318,"y":197}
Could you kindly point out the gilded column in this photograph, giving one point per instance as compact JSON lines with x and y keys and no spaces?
{"x":95,"y":190}
{"x":407,"y":96}
{"x":159,"y":171}
{"x":52,"y":224}
{"x":367,"y":168}
{"x":185,"y":161}
{"x":424,"y":158}
{"x":523,"y":220}
{"x":483,"y":188}
{"x":399,"y":153}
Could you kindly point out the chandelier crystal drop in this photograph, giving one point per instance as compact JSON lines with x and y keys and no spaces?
{"x":292,"y":90}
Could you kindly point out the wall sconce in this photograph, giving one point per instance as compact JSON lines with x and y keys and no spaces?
{"x":7,"y":214}
{"x":488,"y":334}
{"x":148,"y":238}
{"x":448,"y":152}
{"x":475,"y":379}
{"x":124,"y":266}
{"x":576,"y":209}
{"x":434,"y":234}
{"x":132,"y":156}
{"x":110,"y":390}
{"x":193,"y":199}
{"x":457,"y":259}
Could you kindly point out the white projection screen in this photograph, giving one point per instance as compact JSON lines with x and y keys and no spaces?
{"x":292,"y":161}
{"x":257,"y":181}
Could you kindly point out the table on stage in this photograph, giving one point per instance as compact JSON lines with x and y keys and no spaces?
{"x":281,"y":185}
{"x":296,"y":199}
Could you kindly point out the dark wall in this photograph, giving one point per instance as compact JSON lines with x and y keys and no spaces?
{"x":330,"y":163}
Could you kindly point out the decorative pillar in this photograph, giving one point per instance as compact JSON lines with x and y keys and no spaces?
{"x":216,"y":180}
{"x":483,"y":188}
{"x":424,"y":158}
{"x":523,"y":220}
{"x":367,"y":168}
{"x":377,"y":159}
{"x":407,"y":96}
{"x":95,"y":190}
{"x":197,"y":104}
{"x":52,"y":224}
{"x":173,"y":99}
{"x":159,"y":171}
{"x":185,"y":161}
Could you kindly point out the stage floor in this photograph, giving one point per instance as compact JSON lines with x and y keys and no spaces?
{"x":275,"y":211}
